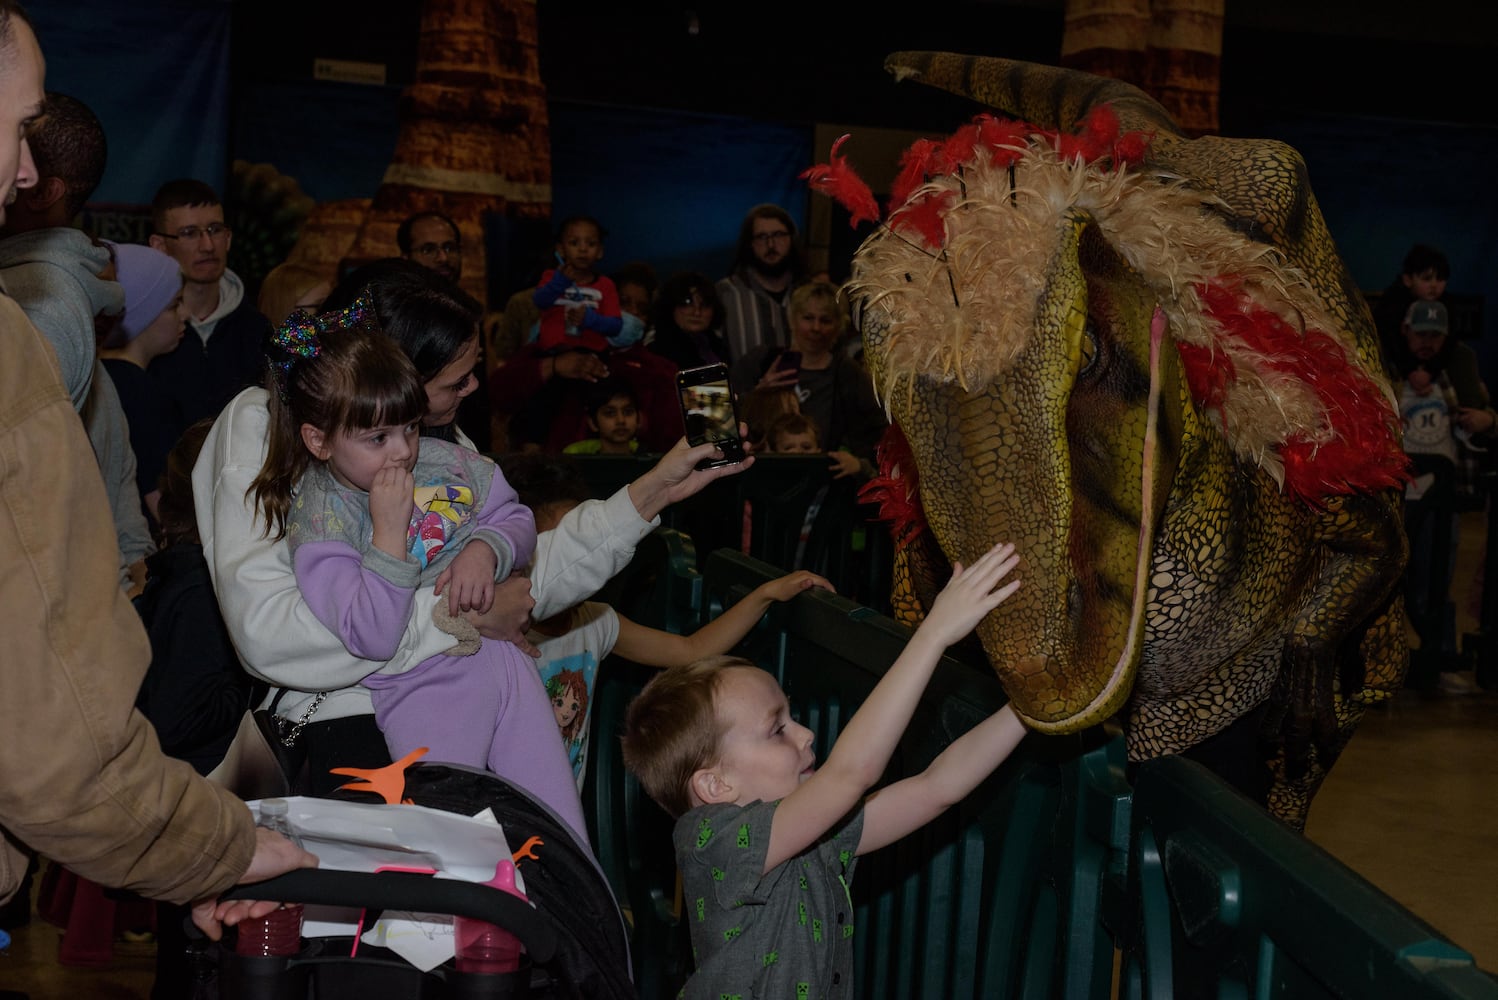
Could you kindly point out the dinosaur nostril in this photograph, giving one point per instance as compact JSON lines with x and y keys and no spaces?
{"x":1029,"y":666}
{"x":1074,"y":603}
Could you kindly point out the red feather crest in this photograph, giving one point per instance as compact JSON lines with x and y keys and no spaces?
{"x":837,"y":179}
{"x":1003,"y":140}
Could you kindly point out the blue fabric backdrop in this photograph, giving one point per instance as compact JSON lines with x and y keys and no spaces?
{"x":156,"y":74}
{"x":672,"y":188}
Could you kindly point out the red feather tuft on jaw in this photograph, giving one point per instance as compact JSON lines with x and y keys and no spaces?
{"x":894,"y":489}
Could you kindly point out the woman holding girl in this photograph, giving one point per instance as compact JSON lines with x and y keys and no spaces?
{"x":371,"y":513}
{"x":277,"y":633}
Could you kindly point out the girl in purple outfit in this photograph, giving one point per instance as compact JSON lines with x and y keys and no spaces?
{"x":371,"y":510}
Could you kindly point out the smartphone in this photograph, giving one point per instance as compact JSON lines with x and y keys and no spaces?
{"x":789,"y":361}
{"x":708,"y":413}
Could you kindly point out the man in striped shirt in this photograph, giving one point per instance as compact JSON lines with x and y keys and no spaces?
{"x":767,"y":265}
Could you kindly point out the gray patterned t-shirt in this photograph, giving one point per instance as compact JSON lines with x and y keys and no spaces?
{"x":786,"y":935}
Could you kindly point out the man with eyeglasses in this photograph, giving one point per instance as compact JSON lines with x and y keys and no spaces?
{"x":222,"y":350}
{"x":433,"y":241}
{"x":767,"y":265}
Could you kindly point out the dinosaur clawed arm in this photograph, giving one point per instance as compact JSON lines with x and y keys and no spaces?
{"x":1313,"y":709}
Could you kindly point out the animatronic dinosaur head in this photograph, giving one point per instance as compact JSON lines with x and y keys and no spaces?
{"x":1065,"y":325}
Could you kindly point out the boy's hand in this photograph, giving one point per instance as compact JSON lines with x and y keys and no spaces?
{"x":583,"y":365}
{"x":1474,"y":420}
{"x":391,"y":498}
{"x":970,"y":594}
{"x":844,"y":463}
{"x":470,"y":577}
{"x":788,"y":586}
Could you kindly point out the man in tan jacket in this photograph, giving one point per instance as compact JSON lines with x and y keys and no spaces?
{"x":82,"y":777}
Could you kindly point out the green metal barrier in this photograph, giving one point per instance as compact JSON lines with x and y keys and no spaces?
{"x":1229,"y":903}
{"x":1053,"y":879}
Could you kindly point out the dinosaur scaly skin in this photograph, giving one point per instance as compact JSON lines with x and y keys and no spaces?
{"x":1187,"y":557}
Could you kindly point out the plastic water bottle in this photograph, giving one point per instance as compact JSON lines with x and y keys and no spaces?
{"x":280,"y":931}
{"x":482,"y":946}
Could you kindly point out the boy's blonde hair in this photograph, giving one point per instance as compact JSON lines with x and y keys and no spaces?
{"x":671,"y":730}
{"x":790,"y":423}
{"x":760,"y":407}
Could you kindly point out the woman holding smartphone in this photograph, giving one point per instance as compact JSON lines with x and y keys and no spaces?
{"x":836,"y":393}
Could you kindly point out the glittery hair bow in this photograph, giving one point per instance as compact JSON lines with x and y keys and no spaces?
{"x":300,"y":337}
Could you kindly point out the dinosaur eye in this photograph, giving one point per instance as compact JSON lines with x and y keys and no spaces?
{"x":1090,"y":348}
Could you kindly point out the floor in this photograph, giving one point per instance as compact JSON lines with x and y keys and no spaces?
{"x":1409,"y":807}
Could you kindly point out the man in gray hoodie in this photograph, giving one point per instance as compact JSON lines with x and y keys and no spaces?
{"x":223,"y":350}
{"x":64,"y":281}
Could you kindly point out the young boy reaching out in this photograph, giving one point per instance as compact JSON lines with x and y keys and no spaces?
{"x":765,"y":840}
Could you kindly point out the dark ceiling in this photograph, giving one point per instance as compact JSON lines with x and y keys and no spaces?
{"x":823,"y":62}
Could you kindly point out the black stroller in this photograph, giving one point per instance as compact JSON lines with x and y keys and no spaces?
{"x":574,"y":934}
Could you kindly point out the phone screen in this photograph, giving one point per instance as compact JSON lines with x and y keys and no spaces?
{"x":708,"y":413}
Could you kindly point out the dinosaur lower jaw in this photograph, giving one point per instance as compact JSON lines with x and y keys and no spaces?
{"x":1119,"y":681}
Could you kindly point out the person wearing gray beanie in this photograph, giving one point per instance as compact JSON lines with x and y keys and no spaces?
{"x":151,"y":325}
{"x":153,"y":284}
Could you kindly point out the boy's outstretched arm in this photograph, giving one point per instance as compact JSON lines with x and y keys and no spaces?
{"x":656,"y":648}
{"x":907,"y":805}
{"x":863,"y":750}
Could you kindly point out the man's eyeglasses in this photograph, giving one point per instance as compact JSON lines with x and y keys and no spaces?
{"x":433,"y":249}
{"x":765,"y":239}
{"x":214,"y":231}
